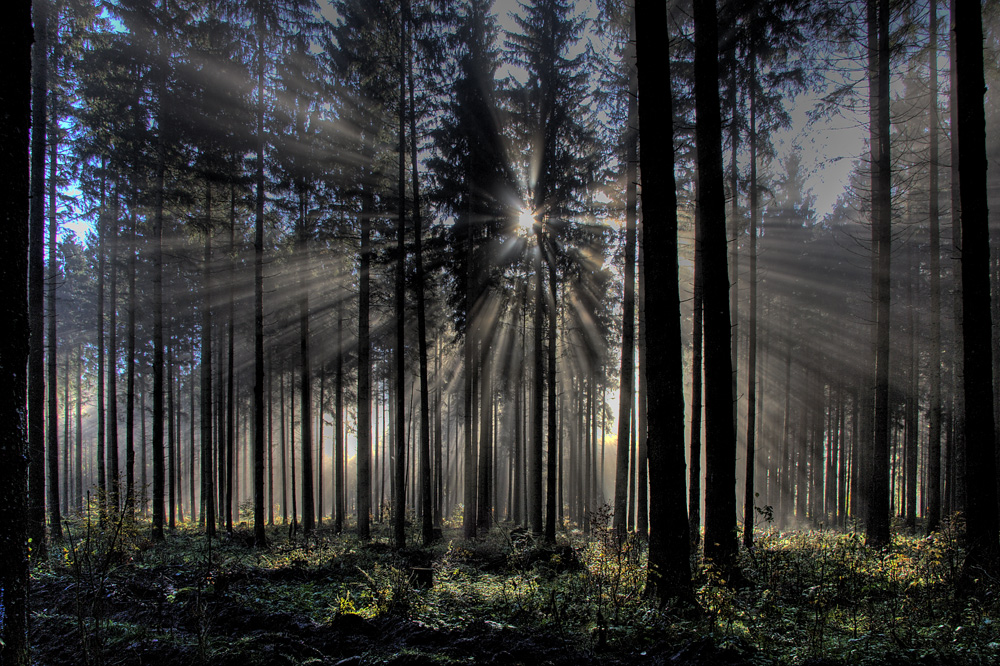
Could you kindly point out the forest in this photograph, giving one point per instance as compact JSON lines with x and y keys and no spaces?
{"x":482,"y":331}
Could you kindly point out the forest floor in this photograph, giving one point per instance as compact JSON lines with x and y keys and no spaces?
{"x":111,"y":596}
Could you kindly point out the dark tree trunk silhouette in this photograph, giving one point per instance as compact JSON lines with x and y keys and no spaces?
{"x":697,"y":372}
{"x":207,"y":466}
{"x":399,"y":374}
{"x":628,"y":305}
{"x":36,"y":284}
{"x":983,"y":554}
{"x":877,"y":533}
{"x":364,"y":377}
{"x":720,"y":431}
{"x":669,"y":572}
{"x":260,"y":538}
{"x":15,"y":119}
{"x":52,"y":446}
{"x":749,"y":488}
{"x":933,"y":507}
{"x":112,"y":451}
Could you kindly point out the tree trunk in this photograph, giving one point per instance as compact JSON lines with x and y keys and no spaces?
{"x":260,"y":538}
{"x":749,"y":488}
{"x":130,"y":379}
{"x":338,"y":453}
{"x":399,"y":486}
{"x":36,"y":285}
{"x":55,"y":517}
{"x":933,"y":502}
{"x":642,"y":485}
{"x":983,"y":554}
{"x":308,"y":508}
{"x":158,"y":206}
{"x":697,"y":370}
{"x":877,"y":533}
{"x":207,"y":468}
{"x":364,"y":377}
{"x":537,"y":395}
{"x":112,"y":450}
{"x":15,"y":121}
{"x":553,"y":453}
{"x":720,"y":431}
{"x":625,"y":400}
{"x":669,"y":569}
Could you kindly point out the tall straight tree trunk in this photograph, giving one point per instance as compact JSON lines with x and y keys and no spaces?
{"x":669,"y":569}
{"x":130,"y":378}
{"x":55,"y":516}
{"x":537,"y":395}
{"x":720,"y":431}
{"x":399,"y":484}
{"x":101,"y":270}
{"x":622,"y":468}
{"x":270,"y":437}
{"x":308,"y":508}
{"x":749,"y":488}
{"x":470,"y":496}
{"x":553,"y":453}
{"x":230,"y":375}
{"x":959,"y":428}
{"x":428,"y":514}
{"x":877,"y":533}
{"x":260,"y":538}
{"x":697,"y":371}
{"x":113,"y":362}
{"x":338,"y":452}
{"x":293,"y":528}
{"x":284,"y":449}
{"x":36,"y":284}
{"x":15,"y":123}
{"x":78,"y":461}
{"x":171,"y":440}
{"x":982,"y":520}
{"x":207,"y":467}
{"x":484,"y":501}
{"x":933,"y":502}
{"x":912,"y":396}
{"x":364,"y":377}
{"x":158,"y":206}
{"x":320,"y":415}
{"x":642,"y":499}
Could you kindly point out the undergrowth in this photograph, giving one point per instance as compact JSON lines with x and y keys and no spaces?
{"x":802,"y":596}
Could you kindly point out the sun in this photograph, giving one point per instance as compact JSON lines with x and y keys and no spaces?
{"x":526,"y":221}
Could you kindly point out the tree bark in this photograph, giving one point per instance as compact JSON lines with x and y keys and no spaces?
{"x":982,"y":520}
{"x":934,"y":361}
{"x":625,"y":399}
{"x":399,"y":485}
{"x":749,"y":488}
{"x":15,"y":121}
{"x":260,"y":537}
{"x":364,"y":378}
{"x":36,"y":284}
{"x":55,"y":517}
{"x":669,"y":569}
{"x":877,"y":533}
{"x":720,"y":431}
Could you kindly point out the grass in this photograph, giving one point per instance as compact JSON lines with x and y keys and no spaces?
{"x":810,"y":595}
